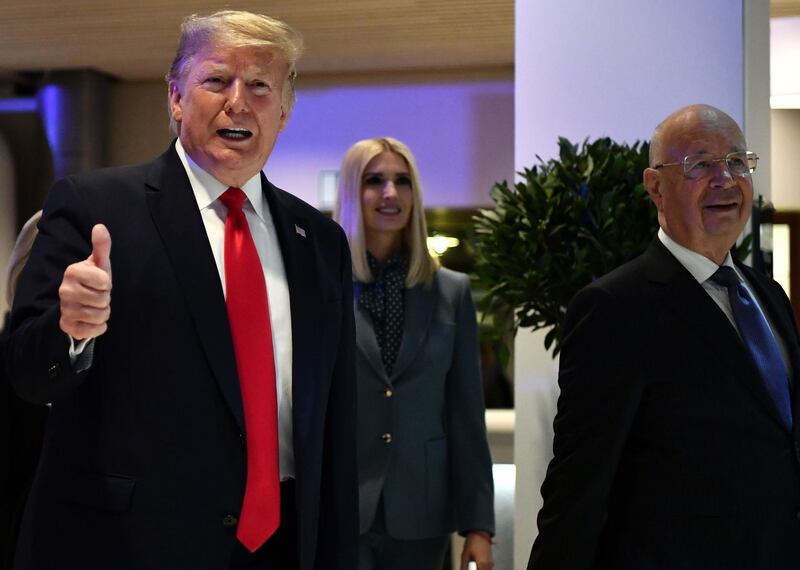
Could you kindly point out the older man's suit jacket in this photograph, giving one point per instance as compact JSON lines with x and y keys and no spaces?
{"x":144,"y":459}
{"x":421,"y":431}
{"x":669,"y":452}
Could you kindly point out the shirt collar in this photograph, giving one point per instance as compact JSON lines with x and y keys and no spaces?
{"x":396,"y":262}
{"x":208,"y":189}
{"x":701,"y":267}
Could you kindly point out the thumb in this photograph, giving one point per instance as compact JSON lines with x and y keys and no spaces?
{"x":101,"y":248}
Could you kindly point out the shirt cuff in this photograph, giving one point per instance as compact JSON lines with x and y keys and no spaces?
{"x":81,"y":354}
{"x":481,"y":533}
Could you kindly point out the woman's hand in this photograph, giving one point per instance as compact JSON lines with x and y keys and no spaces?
{"x":477,"y":547}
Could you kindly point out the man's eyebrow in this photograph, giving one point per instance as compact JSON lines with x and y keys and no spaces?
{"x":207,"y":68}
{"x":733,"y":148}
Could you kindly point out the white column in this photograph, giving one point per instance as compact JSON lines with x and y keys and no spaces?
{"x":617,"y":68}
{"x":757,"y":120}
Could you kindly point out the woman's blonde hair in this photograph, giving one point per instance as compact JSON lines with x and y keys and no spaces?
{"x":20,"y":255}
{"x":421,"y":265}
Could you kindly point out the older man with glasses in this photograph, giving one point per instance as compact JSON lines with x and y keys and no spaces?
{"x":676,"y":441}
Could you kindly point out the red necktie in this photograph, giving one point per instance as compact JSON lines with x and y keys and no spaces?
{"x":248,"y":313}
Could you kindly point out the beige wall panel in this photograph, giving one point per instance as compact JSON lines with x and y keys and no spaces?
{"x":138,"y":126}
{"x":785,"y":165}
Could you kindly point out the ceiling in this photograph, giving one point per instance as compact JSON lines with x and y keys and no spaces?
{"x":136,"y":40}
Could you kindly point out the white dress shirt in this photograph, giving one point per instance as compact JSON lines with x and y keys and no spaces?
{"x":207,"y":191}
{"x":702,"y":268}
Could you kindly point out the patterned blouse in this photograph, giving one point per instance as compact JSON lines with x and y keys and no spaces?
{"x":383,"y":300}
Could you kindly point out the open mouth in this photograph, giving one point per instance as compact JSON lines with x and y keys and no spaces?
{"x":234,"y":134}
{"x":723,"y":207}
{"x":388,"y":211}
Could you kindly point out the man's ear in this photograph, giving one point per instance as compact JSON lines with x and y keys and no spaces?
{"x":284,"y":118}
{"x":652,"y":183}
{"x":175,"y":105}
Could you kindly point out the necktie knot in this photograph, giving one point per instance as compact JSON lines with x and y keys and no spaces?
{"x":726,"y":277}
{"x":233,"y":198}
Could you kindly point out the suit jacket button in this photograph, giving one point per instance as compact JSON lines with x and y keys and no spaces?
{"x":388,"y":393}
{"x":229,"y":521}
{"x":387,"y":438}
{"x":54,"y":370}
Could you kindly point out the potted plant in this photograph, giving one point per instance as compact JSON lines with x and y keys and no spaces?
{"x":568,"y":221}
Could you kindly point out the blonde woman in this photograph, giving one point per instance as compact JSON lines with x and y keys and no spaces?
{"x":424,"y":464}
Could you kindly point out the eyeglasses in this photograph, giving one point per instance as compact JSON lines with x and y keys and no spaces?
{"x":739,"y":163}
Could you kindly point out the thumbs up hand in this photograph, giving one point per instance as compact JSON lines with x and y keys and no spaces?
{"x":85,"y":291}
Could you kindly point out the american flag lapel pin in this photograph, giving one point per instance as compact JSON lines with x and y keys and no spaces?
{"x":299,"y":231}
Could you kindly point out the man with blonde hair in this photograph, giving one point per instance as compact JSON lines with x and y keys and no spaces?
{"x":209,"y":422}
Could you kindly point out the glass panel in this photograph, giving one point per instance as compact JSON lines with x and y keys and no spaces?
{"x":780,"y":256}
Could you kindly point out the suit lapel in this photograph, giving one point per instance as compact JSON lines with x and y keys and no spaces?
{"x":296,"y":240}
{"x":366,"y":341}
{"x":707,"y":324}
{"x":418,"y":310}
{"x":688,"y":301}
{"x":177,"y":218}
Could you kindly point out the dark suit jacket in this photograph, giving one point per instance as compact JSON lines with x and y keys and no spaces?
{"x":144,"y":453}
{"x":435,"y":473}
{"x":669,"y":452}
